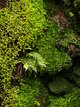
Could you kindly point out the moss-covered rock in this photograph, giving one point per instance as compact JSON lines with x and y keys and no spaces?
{"x":59,"y":85}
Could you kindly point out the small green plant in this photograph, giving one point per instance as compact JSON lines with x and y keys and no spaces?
{"x":33,"y":62}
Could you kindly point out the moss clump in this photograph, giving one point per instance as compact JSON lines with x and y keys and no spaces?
{"x":59,"y":85}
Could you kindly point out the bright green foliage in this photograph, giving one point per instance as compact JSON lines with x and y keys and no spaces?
{"x":56,"y":60}
{"x":70,"y":100}
{"x":27,"y":96}
{"x":38,"y":58}
{"x":20,"y":25}
{"x":59,"y":85}
{"x":33,"y":62}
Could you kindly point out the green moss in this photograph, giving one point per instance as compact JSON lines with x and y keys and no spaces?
{"x":74,"y":75}
{"x":69,"y":37}
{"x":76,"y":71}
{"x":74,"y":98}
{"x":28,"y":94}
{"x":56,"y":60}
{"x":32,"y":93}
{"x":59,"y":85}
{"x":20,"y":25}
{"x":70,"y":100}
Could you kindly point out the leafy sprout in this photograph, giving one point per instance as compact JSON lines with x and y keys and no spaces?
{"x":32,"y":61}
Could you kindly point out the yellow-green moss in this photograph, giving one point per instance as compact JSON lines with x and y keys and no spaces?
{"x":20,"y":24}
